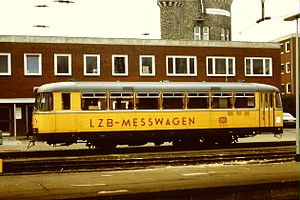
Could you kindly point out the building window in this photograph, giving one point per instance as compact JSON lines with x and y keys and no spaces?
{"x":205,"y":33}
{"x":181,"y":66}
{"x":147,"y":65}
{"x":197,"y":33}
{"x":227,"y":35}
{"x":5,"y":64}
{"x":32,"y":64}
{"x":91,"y":65}
{"x":287,"y":47}
{"x":288,"y":68}
{"x":222,"y":34}
{"x":282,"y":88}
{"x":220,"y":66}
{"x":258,"y":66}
{"x":120,"y":65}
{"x":282,"y":48}
{"x":288,"y":88}
{"x":62,"y":65}
{"x":282,"y":68}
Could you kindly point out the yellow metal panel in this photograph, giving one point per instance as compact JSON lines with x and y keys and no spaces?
{"x":57,"y":105}
{"x":76,"y":101}
{"x":1,"y":165}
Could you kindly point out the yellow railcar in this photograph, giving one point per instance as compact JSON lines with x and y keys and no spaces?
{"x":105,"y":114}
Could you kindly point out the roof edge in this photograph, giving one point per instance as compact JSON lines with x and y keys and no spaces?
{"x":132,"y":41}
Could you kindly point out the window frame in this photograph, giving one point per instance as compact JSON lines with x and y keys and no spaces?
{"x":206,"y":33}
{"x":197,"y":34}
{"x":188,"y":65}
{"x":39,"y":73}
{"x":283,"y":88}
{"x":251,"y":66}
{"x":227,"y":65}
{"x":8,"y":73}
{"x":85,"y":56}
{"x":287,"y":47}
{"x":282,"y":68}
{"x":282,"y":48}
{"x":288,"y":88}
{"x":69,"y":65}
{"x":223,"y":35}
{"x":288,"y":67}
{"x":113,"y":65}
{"x":152,"y":66}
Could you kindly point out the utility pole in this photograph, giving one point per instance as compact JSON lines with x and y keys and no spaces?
{"x":292,"y":18}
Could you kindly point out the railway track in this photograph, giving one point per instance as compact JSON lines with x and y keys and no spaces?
{"x":136,"y":160}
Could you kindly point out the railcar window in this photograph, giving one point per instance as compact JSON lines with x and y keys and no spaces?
{"x":198,"y":100}
{"x":278,"y":101}
{"x":66,"y":101}
{"x":121,"y":100}
{"x":244,"y":100}
{"x":146,"y":100}
{"x":44,"y":102}
{"x":173,"y":100}
{"x":221,"y":100}
{"x":93,"y":101}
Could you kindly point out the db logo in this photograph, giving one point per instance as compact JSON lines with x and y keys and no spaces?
{"x":223,"y":120}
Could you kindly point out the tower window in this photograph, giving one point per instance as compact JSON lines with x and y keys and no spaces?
{"x":205,"y":33}
{"x":197,"y":33}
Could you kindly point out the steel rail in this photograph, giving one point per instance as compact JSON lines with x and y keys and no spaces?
{"x":150,"y":159}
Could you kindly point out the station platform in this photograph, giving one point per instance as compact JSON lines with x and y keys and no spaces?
{"x":214,"y":181}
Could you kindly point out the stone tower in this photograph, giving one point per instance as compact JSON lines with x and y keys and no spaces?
{"x":195,"y":19}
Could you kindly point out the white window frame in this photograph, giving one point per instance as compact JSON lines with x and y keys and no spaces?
{"x":287,"y":50}
{"x":283,"y":88}
{"x":126,"y":65}
{"x":39,"y":73}
{"x":153,"y":65}
{"x":206,"y":33}
{"x":288,"y":85}
{"x":227,"y":35}
{"x":264,"y":68}
{"x":197,"y":33}
{"x":282,"y":48}
{"x":288,"y":69}
{"x":227,"y":65}
{"x":188,"y":64}
{"x":282,"y":66}
{"x":8,"y":73}
{"x":85,"y":56}
{"x":223,"y":37}
{"x":69,"y":66}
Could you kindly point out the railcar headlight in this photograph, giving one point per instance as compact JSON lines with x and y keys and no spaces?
{"x":278,"y":120}
{"x":35,"y":130}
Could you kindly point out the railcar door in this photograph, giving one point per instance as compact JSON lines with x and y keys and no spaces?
{"x":266,"y":110}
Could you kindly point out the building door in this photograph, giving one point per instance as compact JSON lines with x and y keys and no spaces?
{"x":6,"y":120}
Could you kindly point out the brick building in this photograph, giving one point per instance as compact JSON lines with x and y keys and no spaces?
{"x":30,"y":61}
{"x":288,"y":64}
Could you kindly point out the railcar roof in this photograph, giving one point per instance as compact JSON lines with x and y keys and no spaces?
{"x":155,"y":86}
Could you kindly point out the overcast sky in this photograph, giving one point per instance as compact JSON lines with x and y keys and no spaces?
{"x":133,"y":18}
